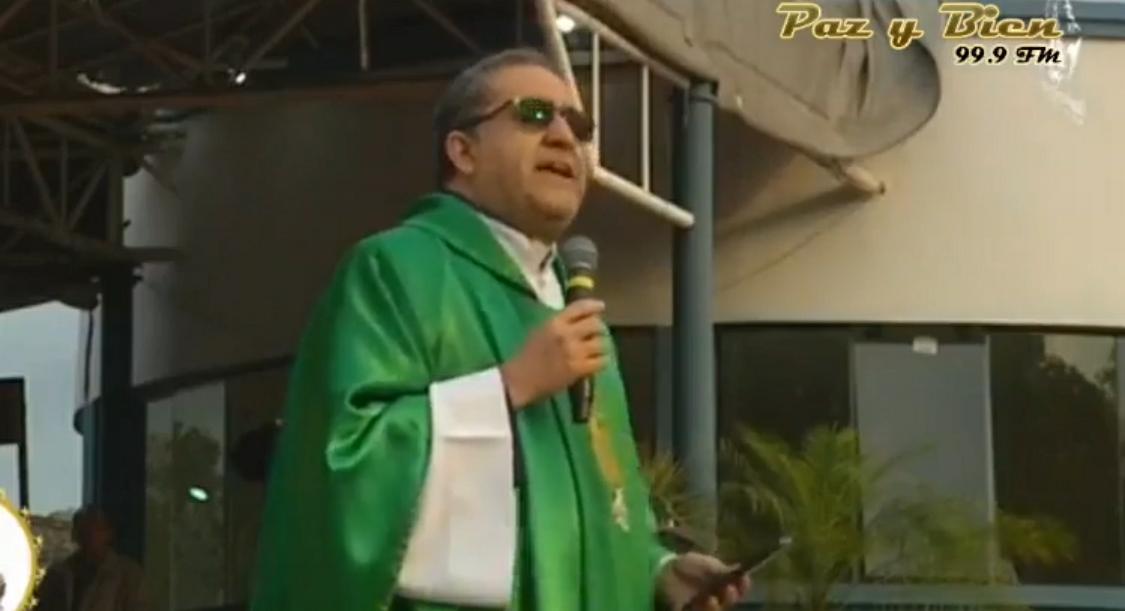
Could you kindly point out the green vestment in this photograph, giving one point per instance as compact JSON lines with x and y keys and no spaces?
{"x":433,"y":299}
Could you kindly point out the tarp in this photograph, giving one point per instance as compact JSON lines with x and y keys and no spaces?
{"x":832,"y":98}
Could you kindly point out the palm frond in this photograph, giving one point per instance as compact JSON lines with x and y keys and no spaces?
{"x":845,"y":510}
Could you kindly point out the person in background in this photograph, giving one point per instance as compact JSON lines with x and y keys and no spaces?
{"x":95,"y":577}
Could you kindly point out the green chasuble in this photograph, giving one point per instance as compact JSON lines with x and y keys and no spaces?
{"x":433,"y":299}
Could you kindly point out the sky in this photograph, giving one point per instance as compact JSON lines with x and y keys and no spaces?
{"x":43,"y":344}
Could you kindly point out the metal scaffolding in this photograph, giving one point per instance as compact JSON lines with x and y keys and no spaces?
{"x":84,"y":82}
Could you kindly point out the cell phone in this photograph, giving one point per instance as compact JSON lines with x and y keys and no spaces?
{"x":734,"y":576}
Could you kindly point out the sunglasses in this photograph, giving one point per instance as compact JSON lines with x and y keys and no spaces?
{"x":539,"y":113}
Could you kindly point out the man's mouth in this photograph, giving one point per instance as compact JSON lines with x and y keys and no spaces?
{"x":563,"y":170}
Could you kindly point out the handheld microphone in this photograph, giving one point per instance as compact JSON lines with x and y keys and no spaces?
{"x":581,"y":258}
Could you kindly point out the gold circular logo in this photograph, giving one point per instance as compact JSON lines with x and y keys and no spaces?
{"x":19,"y":558}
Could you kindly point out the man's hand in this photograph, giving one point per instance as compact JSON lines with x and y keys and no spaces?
{"x":686,"y":576}
{"x":563,"y":350}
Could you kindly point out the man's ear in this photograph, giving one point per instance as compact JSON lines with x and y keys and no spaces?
{"x":460,"y":149}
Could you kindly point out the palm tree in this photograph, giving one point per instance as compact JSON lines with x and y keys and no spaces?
{"x":817,"y":496}
{"x":681,"y":517}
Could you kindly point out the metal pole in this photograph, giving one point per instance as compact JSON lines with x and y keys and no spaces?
{"x":121,"y":424}
{"x":364,"y":53}
{"x":693,"y":287}
{"x":665,"y":368}
{"x":7,"y":172}
{"x":646,"y":129}
{"x":208,"y":71}
{"x":64,"y":178}
{"x":25,"y":483}
{"x":1119,"y":382}
{"x":53,"y":45}
{"x":21,"y":447}
{"x":115,"y":217}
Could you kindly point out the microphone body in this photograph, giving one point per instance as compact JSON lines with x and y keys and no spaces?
{"x":581,"y":258}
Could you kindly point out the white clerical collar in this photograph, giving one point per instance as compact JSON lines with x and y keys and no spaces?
{"x":533,"y":256}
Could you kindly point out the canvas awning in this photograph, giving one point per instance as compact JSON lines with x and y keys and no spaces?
{"x":834,"y":99}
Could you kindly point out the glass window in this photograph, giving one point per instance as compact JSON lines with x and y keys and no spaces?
{"x":1027,"y":421}
{"x":783,"y":381}
{"x":208,"y":450}
{"x":185,"y":559}
{"x":1055,"y":425}
{"x":637,"y":354}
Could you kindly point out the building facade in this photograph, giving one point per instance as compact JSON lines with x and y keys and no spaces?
{"x":973,"y":307}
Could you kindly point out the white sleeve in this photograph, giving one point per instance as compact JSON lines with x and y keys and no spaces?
{"x":463,"y":546}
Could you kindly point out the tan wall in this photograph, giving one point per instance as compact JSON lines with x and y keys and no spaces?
{"x":1001,"y":209}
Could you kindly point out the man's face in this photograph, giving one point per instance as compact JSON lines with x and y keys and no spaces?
{"x":535,"y":174}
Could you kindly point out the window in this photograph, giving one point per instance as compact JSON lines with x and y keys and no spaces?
{"x":784,"y":381}
{"x":1022,"y":421}
{"x":637,"y":359}
{"x":207,"y":450}
{"x":1055,"y":425}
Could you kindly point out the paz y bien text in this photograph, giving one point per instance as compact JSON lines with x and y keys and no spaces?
{"x":963,"y":20}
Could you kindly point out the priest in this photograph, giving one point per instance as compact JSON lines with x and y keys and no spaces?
{"x":429,"y":459}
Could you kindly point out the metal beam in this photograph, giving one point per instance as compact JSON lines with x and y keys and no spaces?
{"x":364,"y":50}
{"x":448,"y":25}
{"x":207,"y":35}
{"x":86,"y":136}
{"x":87,"y":195}
{"x":278,"y":34}
{"x":8,"y":83}
{"x":9,"y":42}
{"x":613,"y":38}
{"x":87,"y":104}
{"x":53,"y":45}
{"x":261,"y":10}
{"x":219,"y":17}
{"x":853,"y":174}
{"x":157,"y":53}
{"x":40,"y":182}
{"x":11,"y":11}
{"x":84,"y":245}
{"x":602,"y":176}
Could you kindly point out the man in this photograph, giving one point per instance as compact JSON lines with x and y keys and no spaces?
{"x":429,"y":460}
{"x":94,"y":578}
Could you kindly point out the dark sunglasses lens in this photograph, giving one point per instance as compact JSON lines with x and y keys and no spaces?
{"x":580,"y":123}
{"x":540,"y":113}
{"x":536,"y":112}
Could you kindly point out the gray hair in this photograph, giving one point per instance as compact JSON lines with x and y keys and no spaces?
{"x":467,"y":94}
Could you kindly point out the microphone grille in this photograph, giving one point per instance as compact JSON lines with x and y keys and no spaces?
{"x":580,"y":252}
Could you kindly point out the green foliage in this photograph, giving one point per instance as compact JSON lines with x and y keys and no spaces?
{"x":817,"y":494}
{"x":674,"y":507}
